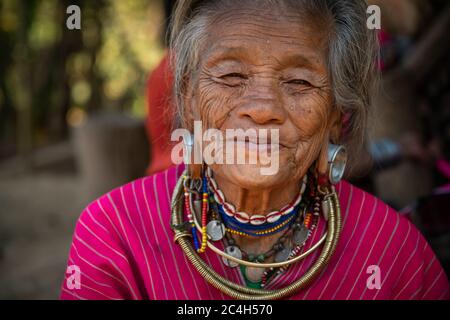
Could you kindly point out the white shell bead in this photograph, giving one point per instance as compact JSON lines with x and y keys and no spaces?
{"x":229,"y":210}
{"x":216,"y":198}
{"x":273,"y":217}
{"x":242,"y":217}
{"x":302,"y":190}
{"x":257,"y":220}
{"x":297,"y":201}
{"x":214,"y":184}
{"x":220,"y":194}
{"x":288,"y":211}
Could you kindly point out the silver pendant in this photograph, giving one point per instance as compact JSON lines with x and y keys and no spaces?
{"x":301,"y":235}
{"x":215,"y":230}
{"x":254,"y":274}
{"x":283,"y":255}
{"x":235,"y":252}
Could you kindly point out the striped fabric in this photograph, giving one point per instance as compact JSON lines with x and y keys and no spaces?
{"x":124,"y":249}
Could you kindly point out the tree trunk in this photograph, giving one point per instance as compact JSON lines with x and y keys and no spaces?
{"x":111,"y":150}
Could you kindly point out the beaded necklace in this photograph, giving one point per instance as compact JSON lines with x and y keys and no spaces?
{"x":296,"y":235}
{"x":242,"y":219}
{"x":330,"y":209}
{"x":287,"y":247}
{"x":257,"y":231}
{"x":278,"y":246}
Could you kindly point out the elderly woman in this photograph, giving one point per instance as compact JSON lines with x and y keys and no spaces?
{"x":207,"y":230}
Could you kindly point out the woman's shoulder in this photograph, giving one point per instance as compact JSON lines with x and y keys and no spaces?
{"x":136,"y":207}
{"x":381,"y":236}
{"x":360,"y":206}
{"x":118,"y":235}
{"x":369,"y":222}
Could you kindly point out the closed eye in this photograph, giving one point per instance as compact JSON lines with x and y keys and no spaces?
{"x":300,"y":82}
{"x":233,"y":79}
{"x":234,"y":75}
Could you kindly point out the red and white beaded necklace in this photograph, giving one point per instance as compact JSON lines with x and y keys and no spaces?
{"x":257,"y":219}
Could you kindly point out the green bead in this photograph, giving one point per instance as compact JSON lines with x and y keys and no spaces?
{"x":261,"y":258}
{"x":251,"y":257}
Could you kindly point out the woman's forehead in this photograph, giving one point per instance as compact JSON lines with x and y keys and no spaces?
{"x":268,"y":22}
{"x":295,"y":56}
{"x":285,"y":42}
{"x":266,"y":29}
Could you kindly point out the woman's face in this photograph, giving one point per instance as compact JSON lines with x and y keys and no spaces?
{"x":266,"y":70}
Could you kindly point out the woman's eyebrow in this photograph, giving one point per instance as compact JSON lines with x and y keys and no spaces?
{"x":238,"y":54}
{"x":220,"y":53}
{"x":302,"y":61}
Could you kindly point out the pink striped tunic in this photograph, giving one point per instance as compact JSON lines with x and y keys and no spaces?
{"x":123,"y":248}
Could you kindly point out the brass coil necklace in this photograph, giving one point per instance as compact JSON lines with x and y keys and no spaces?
{"x":236,"y":291}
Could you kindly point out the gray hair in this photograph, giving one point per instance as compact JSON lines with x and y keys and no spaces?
{"x":353,"y":55}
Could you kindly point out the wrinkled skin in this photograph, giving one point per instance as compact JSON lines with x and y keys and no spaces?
{"x":266,"y":69}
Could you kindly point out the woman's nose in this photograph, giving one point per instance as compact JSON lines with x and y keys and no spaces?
{"x":263,"y":110}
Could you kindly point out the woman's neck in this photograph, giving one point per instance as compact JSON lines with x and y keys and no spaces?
{"x":259,"y":202}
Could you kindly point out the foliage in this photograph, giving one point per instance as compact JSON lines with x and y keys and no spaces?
{"x":51,"y":76}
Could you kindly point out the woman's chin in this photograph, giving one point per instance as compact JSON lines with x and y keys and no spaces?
{"x":253,"y":176}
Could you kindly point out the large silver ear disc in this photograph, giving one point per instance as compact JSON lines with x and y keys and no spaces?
{"x":337,"y":160}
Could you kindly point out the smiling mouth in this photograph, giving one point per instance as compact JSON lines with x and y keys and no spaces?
{"x":255,"y":144}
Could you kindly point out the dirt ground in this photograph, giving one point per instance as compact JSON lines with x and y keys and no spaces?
{"x":37,"y":216}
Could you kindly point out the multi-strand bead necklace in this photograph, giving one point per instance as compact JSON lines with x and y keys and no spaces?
{"x":320,"y":197}
{"x":298,"y":219}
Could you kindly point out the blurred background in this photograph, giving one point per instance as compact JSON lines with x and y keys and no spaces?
{"x":84,"y":111}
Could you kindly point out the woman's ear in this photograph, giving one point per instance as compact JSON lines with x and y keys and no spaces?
{"x":336,"y":127}
{"x":190,"y":115}
{"x":322,"y":161}
{"x":334,"y":136}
